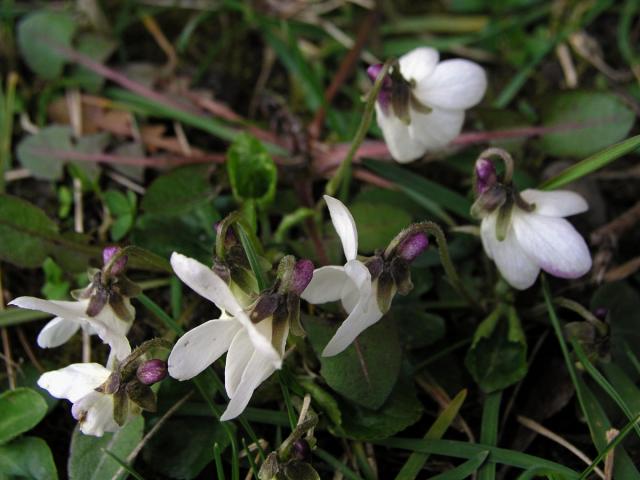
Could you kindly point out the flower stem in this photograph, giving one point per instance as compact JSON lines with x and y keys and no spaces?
{"x":602,"y":327}
{"x":341,"y":178}
{"x":445,"y":259}
{"x":506,"y":158}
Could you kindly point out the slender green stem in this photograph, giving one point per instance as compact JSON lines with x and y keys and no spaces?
{"x":338,"y":465}
{"x":341,"y":178}
{"x":6,"y":125}
{"x":252,"y":464}
{"x":602,"y":327}
{"x":287,"y":401}
{"x":449,"y":268}
{"x":363,"y":462}
{"x":218,"y":460}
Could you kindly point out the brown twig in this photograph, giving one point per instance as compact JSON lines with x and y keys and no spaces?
{"x":28,"y":350}
{"x":617,"y":227}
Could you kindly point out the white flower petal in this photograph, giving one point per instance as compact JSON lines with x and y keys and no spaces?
{"x":69,"y":310}
{"x":112,"y":330}
{"x":56,"y":332}
{"x":419,"y":63}
{"x":454,"y":84}
{"x":558,"y":203}
{"x":344,"y":225}
{"x":200,"y":347}
{"x":436,"y":129}
{"x":365,"y":314}
{"x":553,"y":243}
{"x":257,"y":371}
{"x":402,"y":146}
{"x":326,"y":285}
{"x":240,"y":353}
{"x":205,"y":282}
{"x":74,"y":381}
{"x":358,"y":286}
{"x":517,"y":268}
{"x":95,"y":414}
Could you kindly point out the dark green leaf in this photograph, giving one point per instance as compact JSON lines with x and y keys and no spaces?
{"x":252,"y":173}
{"x":464,"y":470}
{"x":27,"y":458}
{"x":377,"y":224}
{"x":22,"y":409}
{"x":178,"y":191}
{"x":184,"y":446}
{"x":498,"y":355}
{"x":364,"y":374}
{"x":55,"y":286}
{"x":417,"y":327}
{"x":88,"y":459}
{"x":99,"y":48}
{"x":592,"y":120}
{"x":38,"y":35}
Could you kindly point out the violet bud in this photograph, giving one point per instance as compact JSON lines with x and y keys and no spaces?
{"x":384,"y":97}
{"x":152,"y":371}
{"x":301,"y":450}
{"x":302,"y":274}
{"x":412,"y":246}
{"x":120,"y":264}
{"x":601,"y":313}
{"x":485,"y":175}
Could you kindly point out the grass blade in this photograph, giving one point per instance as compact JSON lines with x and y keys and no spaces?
{"x":432,"y":196}
{"x":592,"y":163}
{"x":416,"y":461}
{"x":338,"y":465}
{"x":124,"y":465}
{"x":252,"y":256}
{"x":464,"y":470}
{"x":489,"y":431}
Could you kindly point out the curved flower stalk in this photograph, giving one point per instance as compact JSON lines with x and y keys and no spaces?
{"x":255,"y":341}
{"x":103,"y":308}
{"x":524,"y":232}
{"x":365,"y":288}
{"x":104,"y":398}
{"x":422,"y":102}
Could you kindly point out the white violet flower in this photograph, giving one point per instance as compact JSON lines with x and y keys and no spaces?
{"x":364,"y":288}
{"x":78,"y":383}
{"x":421,"y":105}
{"x":254,"y":352}
{"x":523,"y":232}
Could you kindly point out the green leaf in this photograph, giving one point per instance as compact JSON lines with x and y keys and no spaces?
{"x":123,"y":209}
{"x":597,"y":120}
{"x":178,"y":191}
{"x":465,"y":470}
{"x":88,"y":459}
{"x":22,"y":409}
{"x":430,"y":195}
{"x":401,"y":410}
{"x":34,"y":151}
{"x":55,"y":286}
{"x":377,"y":224}
{"x":183,"y":446}
{"x":27,"y":458}
{"x":99,"y":48}
{"x":417,"y":327}
{"x":591,"y":164}
{"x":252,"y":172}
{"x":623,"y":304}
{"x":497,"y":357}
{"x":38,"y":34}
{"x":365,"y":375}
{"x":416,"y":461}
{"x":29,"y":236}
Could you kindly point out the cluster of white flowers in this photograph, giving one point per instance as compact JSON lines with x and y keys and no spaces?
{"x":420,"y":108}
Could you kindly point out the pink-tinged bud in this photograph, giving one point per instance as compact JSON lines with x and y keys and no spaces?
{"x":601,"y":313}
{"x":120,"y":264}
{"x":302,"y":274}
{"x":412,"y":246}
{"x":301,"y":450}
{"x":152,"y":371}
{"x":485,"y":175}
{"x":384,"y":96}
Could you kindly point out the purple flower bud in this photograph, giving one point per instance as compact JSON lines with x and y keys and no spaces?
{"x":302,"y":274}
{"x":119,"y":265}
{"x":601,"y":313}
{"x":152,"y":371}
{"x":301,"y":450}
{"x":485,"y":175}
{"x":412,"y":246}
{"x":384,"y":96}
